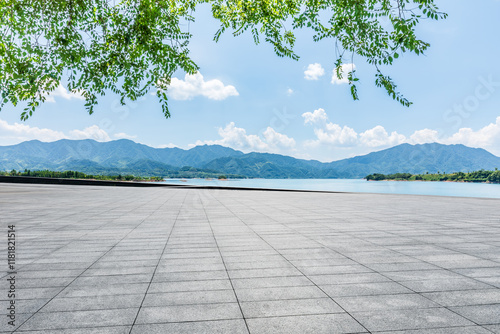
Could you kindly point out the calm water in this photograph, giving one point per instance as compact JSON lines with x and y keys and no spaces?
{"x":383,"y":187}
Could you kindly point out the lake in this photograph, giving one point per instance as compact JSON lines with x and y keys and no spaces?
{"x":347,"y":185}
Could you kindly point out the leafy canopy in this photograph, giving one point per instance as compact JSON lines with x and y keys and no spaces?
{"x":130,"y":47}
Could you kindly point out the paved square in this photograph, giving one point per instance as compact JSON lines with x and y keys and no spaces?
{"x":179,"y":260}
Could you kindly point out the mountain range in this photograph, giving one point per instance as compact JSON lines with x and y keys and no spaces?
{"x":126,"y":156}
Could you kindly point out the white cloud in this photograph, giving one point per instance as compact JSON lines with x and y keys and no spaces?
{"x":60,"y":91}
{"x":16,"y":133}
{"x":314,"y":71}
{"x":278,"y":140}
{"x":378,"y":137}
{"x":424,"y":136}
{"x":169,"y":145}
{"x":195,"y":85}
{"x":122,"y":135}
{"x":91,"y":132}
{"x":289,"y":92}
{"x":315,"y":116}
{"x":237,"y":138}
{"x":331,"y":135}
{"x":487,"y":137}
{"x":345,"y":69}
{"x":334,"y":134}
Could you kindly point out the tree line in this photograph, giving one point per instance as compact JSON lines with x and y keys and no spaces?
{"x":69,"y":174}
{"x":476,"y":176}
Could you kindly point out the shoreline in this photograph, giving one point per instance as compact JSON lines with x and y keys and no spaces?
{"x":448,"y":181}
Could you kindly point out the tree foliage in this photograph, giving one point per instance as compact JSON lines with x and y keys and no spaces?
{"x":69,"y":174}
{"x":476,"y":176}
{"x":130,"y":47}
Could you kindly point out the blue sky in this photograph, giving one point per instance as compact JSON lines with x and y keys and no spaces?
{"x":247,"y":98}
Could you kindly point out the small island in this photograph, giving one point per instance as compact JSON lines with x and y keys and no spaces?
{"x":481,"y":176}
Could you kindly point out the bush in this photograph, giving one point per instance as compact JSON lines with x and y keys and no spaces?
{"x":494,"y":177}
{"x":376,"y":177}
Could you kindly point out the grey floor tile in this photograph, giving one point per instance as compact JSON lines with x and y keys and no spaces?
{"x":79,"y":319}
{"x":37,"y":293}
{"x":190,"y":286}
{"x":183,"y":313}
{"x":102,"y":281}
{"x":44,"y":282}
{"x":262,"y":273}
{"x":480,"y":314}
{"x":464,"y":298}
{"x":493,"y":328}
{"x":364,"y":289}
{"x":448,"y":330}
{"x":269,"y":282}
{"x":348,"y":278}
{"x":104,"y":302}
{"x":258,"y":265}
{"x":103,"y":290}
{"x":29,"y":306}
{"x":332,"y":270}
{"x":418,"y":275}
{"x":392,"y":320}
{"x":480,"y":272}
{"x":451,"y":284}
{"x":199,"y":327}
{"x":26,"y":275}
{"x":404,"y":266}
{"x":189,"y":276}
{"x":189,"y":297}
{"x":191,"y":267}
{"x":276,"y":308}
{"x":7,"y":326}
{"x":384,"y":302}
{"x":90,"y":330}
{"x":491,"y":281}
{"x":307,"y":324}
{"x":278,"y":293}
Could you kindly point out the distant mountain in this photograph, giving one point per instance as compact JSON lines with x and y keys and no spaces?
{"x":127,"y":157}
{"x":138,"y":167}
{"x":403,"y":158}
{"x":415,"y":159}
{"x":266,"y":165}
{"x":114,"y":154}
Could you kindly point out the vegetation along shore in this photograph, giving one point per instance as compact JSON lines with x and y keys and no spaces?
{"x":484,"y":176}
{"x":184,"y":173}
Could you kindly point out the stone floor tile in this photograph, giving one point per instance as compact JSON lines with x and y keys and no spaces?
{"x":183,"y":313}
{"x":480,"y":314}
{"x":307,"y":324}
{"x":408,"y":319}
{"x":79,"y":319}
{"x":189,"y":297}
{"x":198,"y":327}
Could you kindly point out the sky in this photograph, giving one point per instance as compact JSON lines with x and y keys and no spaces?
{"x":247,"y":98}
